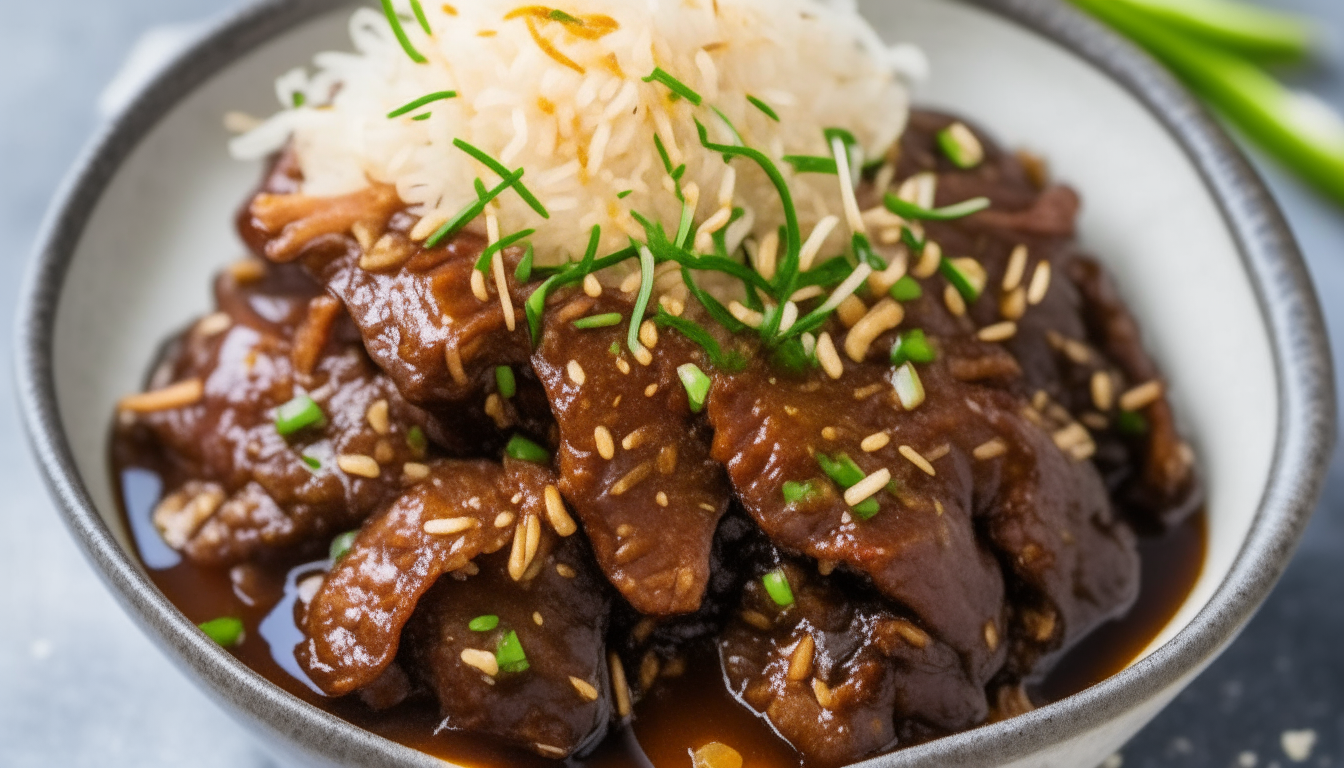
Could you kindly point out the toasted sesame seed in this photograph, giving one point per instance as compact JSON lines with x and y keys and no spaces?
{"x":449,"y":526}
{"x":1142,"y":396}
{"x":576,"y":373}
{"x":915,"y":458}
{"x":1040,"y":284}
{"x":661,"y":498}
{"x":929,"y":261}
{"x":622,"y":366}
{"x":377,"y":417}
{"x":504,"y":519}
{"x":651,"y":390}
{"x":851,"y":311}
{"x":1071,"y":436}
{"x":213,"y":325}
{"x":1103,"y":391}
{"x":912,"y":634}
{"x":823,"y":693}
{"x":550,"y":751}
{"x":998,"y":332}
{"x":830,"y":433}
{"x":606,"y":446}
{"x":518,"y":553}
{"x":648,"y":334}
{"x":707,"y":506}
{"x":592,"y":286}
{"x":533,"y":539}
{"x":565,"y":571}
{"x":359,"y":465}
{"x":862,"y":490}
{"x":991,"y":636}
{"x":483,"y":661}
{"x":643,"y":356}
{"x":828,"y":357}
{"x":884,"y":316}
{"x":585,"y":688}
{"x":631,"y":479}
{"x":667,"y":459}
{"x":955,"y":303}
{"x":1017,"y":269}
{"x":990,"y":450}
{"x":635,"y":439}
{"x":414,"y":470}
{"x":537,"y":619}
{"x":618,"y":685}
{"x":800,"y":661}
{"x":875,"y":442}
{"x":1014,"y":304}
{"x":624,"y":530}
{"x":179,"y":395}
{"x":791,"y":410}
{"x":757,"y":619}
{"x":556,"y":513}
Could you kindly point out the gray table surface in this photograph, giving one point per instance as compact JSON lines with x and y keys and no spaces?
{"x":81,"y":686}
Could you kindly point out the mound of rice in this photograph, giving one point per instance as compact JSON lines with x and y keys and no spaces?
{"x":560,"y":93}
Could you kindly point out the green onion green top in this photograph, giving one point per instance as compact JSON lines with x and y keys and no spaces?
{"x":420,"y":102}
{"x":505,"y":381}
{"x":521,"y":448}
{"x":777,"y":586}
{"x":310,"y":462}
{"x":761,"y":105}
{"x":400,"y":32}
{"x":509,"y":653}
{"x":959,"y":280}
{"x":795,"y":492}
{"x":696,"y":383}
{"x":226,"y":631}
{"x":298,"y":414}
{"x":676,"y":86}
{"x":416,"y":440}
{"x":912,"y":346}
{"x":606,"y":320}
{"x":341,"y":545}
{"x":948,"y":213}
{"x":483,"y":623}
{"x":847,"y":474}
{"x":1131,"y":423}
{"x":906,"y":289}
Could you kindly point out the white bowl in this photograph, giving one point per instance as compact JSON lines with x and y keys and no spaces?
{"x":1173,"y":209}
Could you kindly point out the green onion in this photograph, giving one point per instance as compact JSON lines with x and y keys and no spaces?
{"x":524,"y":271}
{"x":646,"y":267}
{"x":340,"y":546}
{"x":841,"y":469}
{"x":599,"y":321}
{"x":472,"y":210}
{"x":426,"y":116}
{"x":420,"y":102}
{"x":761,"y":105}
{"x":949,"y":213}
{"x":521,"y":448}
{"x":853,"y":150}
{"x":420,"y":16}
{"x":564,"y":18}
{"x":625,"y":194}
{"x":416,"y":441}
{"x":615,"y":349}
{"x":866,"y":509}
{"x":502,"y":171}
{"x":676,"y":86}
{"x":509,"y":653}
{"x":906,"y":289}
{"x":536,"y":303}
{"x":696,"y":383}
{"x":298,"y":414}
{"x":227,"y":631}
{"x":505,"y":381}
{"x":1236,"y":27}
{"x":299,"y":99}
{"x":692,"y":330}
{"x":483,"y":263}
{"x":812,"y":164}
{"x":397,"y":30}
{"x":1131,"y":423}
{"x":777,"y":586}
{"x":960,"y":280}
{"x":909,"y":387}
{"x":662,"y":153}
{"x":795,"y":492}
{"x":483,"y":623}
{"x":912,"y":346}
{"x":961,"y":146}
{"x":864,"y":253}
{"x":310,"y":462}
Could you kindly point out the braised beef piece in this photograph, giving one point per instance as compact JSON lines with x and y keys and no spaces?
{"x":237,"y":488}
{"x":415,"y":307}
{"x":650,"y":507}
{"x":461,"y":510}
{"x":560,"y":704}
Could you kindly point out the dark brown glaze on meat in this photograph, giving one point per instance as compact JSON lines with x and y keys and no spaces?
{"x":355,"y":620}
{"x":237,"y":488}
{"x":559,"y":611}
{"x":651,"y":509}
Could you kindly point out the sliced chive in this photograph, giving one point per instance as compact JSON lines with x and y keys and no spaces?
{"x":684,"y":227}
{"x":906,"y":289}
{"x":866,"y":509}
{"x":961,"y":146}
{"x":912,"y":346}
{"x":298,"y":414}
{"x":909,"y":388}
{"x":226,"y":631}
{"x":960,"y":280}
{"x":696,"y":383}
{"x":598,"y":321}
{"x":693,"y":331}
{"x":590,"y":252}
{"x":420,"y":16}
{"x":420,"y":102}
{"x":777,"y":586}
{"x":483,"y":623}
{"x":521,"y":448}
{"x":737,"y":137}
{"x":503,"y":172}
{"x":299,"y":99}
{"x":795,"y":492}
{"x":509,"y":653}
{"x":505,"y":381}
{"x":483,"y":263}
{"x":915,"y":245}
{"x":564,"y":18}
{"x":397,"y":30}
{"x":812,"y":164}
{"x":625,"y":194}
{"x":416,"y":440}
{"x":615,"y":349}
{"x":1131,"y":423}
{"x":472,"y":210}
{"x":864,"y":253}
{"x":426,"y":116}
{"x":646,"y":267}
{"x":524,"y":271}
{"x":676,"y":86}
{"x":310,"y":462}
{"x":761,"y":105}
{"x":841,"y":469}
{"x":340,"y":546}
{"x":662,"y":153}
{"x":949,"y":213}
{"x":479,"y":186}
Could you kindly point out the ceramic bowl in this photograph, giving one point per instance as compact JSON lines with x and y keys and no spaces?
{"x":1189,"y":231}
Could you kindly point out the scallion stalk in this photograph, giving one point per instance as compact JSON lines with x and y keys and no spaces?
{"x":298,"y":414}
{"x":778,"y":588}
{"x":522,"y":449}
{"x":227,"y":631}
{"x":505,"y":382}
{"x":696,"y":383}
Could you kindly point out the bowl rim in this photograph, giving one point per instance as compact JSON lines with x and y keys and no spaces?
{"x":1288,"y":306}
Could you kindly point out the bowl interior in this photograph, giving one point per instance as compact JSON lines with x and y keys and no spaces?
{"x":144,"y":263}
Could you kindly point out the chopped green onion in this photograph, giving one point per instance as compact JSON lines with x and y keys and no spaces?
{"x":961,"y":279}
{"x":502,"y":171}
{"x":299,"y":99}
{"x":1236,"y":27}
{"x":227,"y":631}
{"x":961,"y":146}
{"x":420,"y":102}
{"x":311,"y":462}
{"x":646,"y":267}
{"x":521,"y":448}
{"x":420,"y":118}
{"x":841,"y":469}
{"x":505,"y":381}
{"x":701,"y":337}
{"x":564,"y":18}
{"x":615,"y":349}
{"x":795,"y":492}
{"x":416,"y":440}
{"x":761,"y":105}
{"x":509,"y":653}
{"x":696,"y":383}
{"x":912,"y":346}
{"x":662,"y":153}
{"x":864,"y":253}
{"x":298,"y":414}
{"x":915,"y":245}
{"x":397,"y":30}
{"x":949,"y":213}
{"x":472,"y":210}
{"x":598,"y":321}
{"x":777,"y":586}
{"x":420,"y":16}
{"x":524,"y":271}
{"x":909,"y":388}
{"x":340,"y":546}
{"x":1131,"y":423}
{"x":866,"y":509}
{"x":676,"y":86}
{"x":625,"y":194}
{"x":483,"y":263}
{"x":812,"y":164}
{"x":906,"y":289}
{"x":483,"y":623}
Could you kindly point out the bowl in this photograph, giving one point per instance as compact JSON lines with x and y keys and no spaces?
{"x":1173,"y":208}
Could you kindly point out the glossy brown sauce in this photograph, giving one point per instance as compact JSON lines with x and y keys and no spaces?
{"x":680,"y":715}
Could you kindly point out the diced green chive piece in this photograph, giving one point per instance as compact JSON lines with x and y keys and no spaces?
{"x":960,"y":279}
{"x":420,"y":16}
{"x":300,"y":413}
{"x":961,"y":146}
{"x":909,"y":388}
{"x":1131,"y":423}
{"x":483,"y":623}
{"x":599,"y":321}
{"x":299,"y":99}
{"x":505,"y":381}
{"x":226,"y":631}
{"x":867,"y":509}
{"x":777,"y":586}
{"x":558,"y":15}
{"x":509,"y":653}
{"x":524,"y":271}
{"x":761,"y":105}
{"x":340,"y":546}
{"x":416,"y":440}
{"x":812,"y":164}
{"x":311,"y":463}
{"x":961,"y":210}
{"x":696,"y":383}
{"x":419,"y":118}
{"x":676,"y":86}
{"x":521,"y":448}
{"x":472,"y":210}
{"x":646,"y":267}
{"x":615,"y":348}
{"x":906,"y":289}
{"x":397,"y":30}
{"x":483,"y":263}
{"x":841,"y":469}
{"x":795,"y":492}
{"x":502,"y":171}
{"x":420,"y":102}
{"x":912,"y":346}
{"x":625,"y":194}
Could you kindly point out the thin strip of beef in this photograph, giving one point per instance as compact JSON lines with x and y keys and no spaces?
{"x":238,"y":488}
{"x":461,"y":510}
{"x":560,"y":704}
{"x":651,"y":505}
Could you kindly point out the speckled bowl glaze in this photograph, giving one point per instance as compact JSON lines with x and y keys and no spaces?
{"x":1173,"y":208}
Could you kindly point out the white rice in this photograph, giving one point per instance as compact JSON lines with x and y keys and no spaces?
{"x":584,"y":138}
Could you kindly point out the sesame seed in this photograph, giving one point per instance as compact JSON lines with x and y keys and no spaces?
{"x":872,"y":389}
{"x":377,"y":417}
{"x":706,"y":506}
{"x":179,"y":395}
{"x":667,"y":459}
{"x":606,"y":447}
{"x":591,"y":286}
{"x":494,"y":408}
{"x":483,"y":661}
{"x":213,"y":325}
{"x":998,"y":332}
{"x":991,"y":636}
{"x":1103,"y":391}
{"x":632,"y":478}
{"x":757,"y":619}
{"x":912,"y":634}
{"x":828,"y":357}
{"x":915,"y":458}
{"x":635,"y":439}
{"x":1014,"y":304}
{"x":631,"y":282}
{"x":1142,"y":396}
{"x":648,"y":334}
{"x":414,"y":470}
{"x":618,"y":685}
{"x":829,"y":433}
{"x":585,"y":688}
{"x":533,"y":543}
{"x":550,"y":751}
{"x":826,"y":567}
{"x":928,"y":261}
{"x":624,"y":530}
{"x":803,"y":294}
{"x":990,"y":450}
{"x":673,"y":306}
{"x":955,"y":303}
{"x":862,"y":490}
{"x":1071,"y":436}
{"x":536,"y":618}
{"x":661,"y":498}
{"x":557,"y":514}
{"x":449,"y":526}
{"x":800,"y":661}
{"x":576,"y":373}
{"x":1096,"y":421}
{"x":565,"y":570}
{"x":1040,"y":284}
{"x":518,"y":553}
{"x":359,"y":465}
{"x":651,"y":390}
{"x":875,"y":442}
{"x":1017,"y":269}
{"x":504,"y":519}
{"x":823,"y":693}
{"x":938,"y":452}
{"x":622,"y":366}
